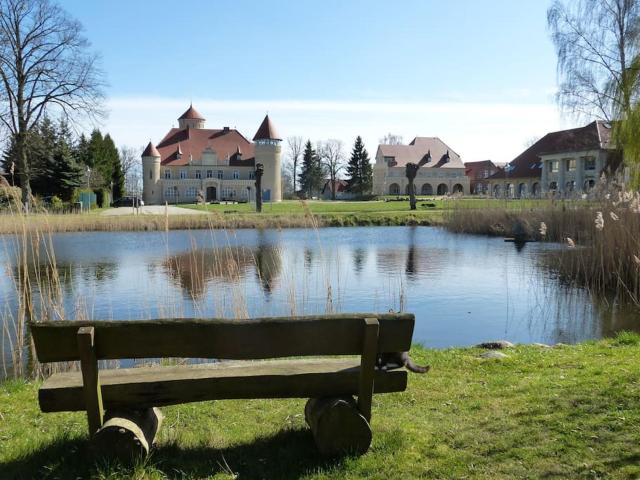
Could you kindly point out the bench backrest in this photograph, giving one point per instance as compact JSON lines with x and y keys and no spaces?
{"x":224,"y":338}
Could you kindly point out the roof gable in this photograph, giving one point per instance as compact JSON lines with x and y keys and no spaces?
{"x":418,"y":148}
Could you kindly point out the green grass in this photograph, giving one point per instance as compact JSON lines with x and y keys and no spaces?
{"x":568,"y":412}
{"x":319,"y":207}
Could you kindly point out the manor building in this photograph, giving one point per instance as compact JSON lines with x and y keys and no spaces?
{"x":193,"y":162}
{"x":442,"y":175}
{"x":561,"y":164}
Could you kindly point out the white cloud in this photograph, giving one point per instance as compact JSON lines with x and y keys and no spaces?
{"x":475,"y":130}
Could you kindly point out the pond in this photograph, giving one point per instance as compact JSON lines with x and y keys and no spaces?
{"x":463,"y":289}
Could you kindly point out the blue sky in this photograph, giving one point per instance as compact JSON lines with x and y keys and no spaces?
{"x":479,"y":74}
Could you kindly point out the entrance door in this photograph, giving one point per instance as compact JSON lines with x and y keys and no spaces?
{"x":211,"y":194}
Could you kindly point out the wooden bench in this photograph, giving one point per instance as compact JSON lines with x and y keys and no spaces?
{"x":121,"y":404}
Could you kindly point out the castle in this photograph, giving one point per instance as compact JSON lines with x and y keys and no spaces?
{"x":193,"y":162}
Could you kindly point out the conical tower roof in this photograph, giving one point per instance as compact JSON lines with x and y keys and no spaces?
{"x":191,"y":114}
{"x":266,"y":131}
{"x":151,"y":151}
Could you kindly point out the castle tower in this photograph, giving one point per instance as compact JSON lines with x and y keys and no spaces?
{"x":191,"y":119}
{"x":152,"y":187}
{"x":267,"y":152}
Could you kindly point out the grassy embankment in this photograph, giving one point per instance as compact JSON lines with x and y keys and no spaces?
{"x":288,"y":214}
{"x":564,"y":412}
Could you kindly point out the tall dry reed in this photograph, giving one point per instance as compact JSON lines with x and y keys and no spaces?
{"x":601,"y":237}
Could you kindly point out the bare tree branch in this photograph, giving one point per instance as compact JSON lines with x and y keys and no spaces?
{"x":46,"y":69}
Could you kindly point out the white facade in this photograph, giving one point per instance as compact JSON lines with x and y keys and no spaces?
{"x":573,"y":172}
{"x":444,"y":174}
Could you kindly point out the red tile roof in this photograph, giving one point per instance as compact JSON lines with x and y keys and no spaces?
{"x":150,"y":151}
{"x":441,"y":155}
{"x":194,"y":141}
{"x":191,"y":114}
{"x":266,"y":131}
{"x":596,"y":135}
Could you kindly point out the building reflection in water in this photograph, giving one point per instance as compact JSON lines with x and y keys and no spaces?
{"x":193,"y":270}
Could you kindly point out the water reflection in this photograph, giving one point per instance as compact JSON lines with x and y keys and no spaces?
{"x":194,"y":270}
{"x":463,"y":289}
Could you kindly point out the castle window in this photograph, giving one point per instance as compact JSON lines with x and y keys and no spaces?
{"x":150,"y":174}
{"x":252,"y":175}
{"x":198,"y":174}
{"x":589,"y":163}
{"x":167,"y":174}
{"x":183,"y":174}
{"x":209,"y":173}
{"x":571,"y":164}
{"x":236,"y":174}
{"x":220,"y":174}
{"x":192,"y":192}
{"x":554,"y":166}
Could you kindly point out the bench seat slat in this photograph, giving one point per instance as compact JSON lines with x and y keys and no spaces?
{"x":159,"y":385}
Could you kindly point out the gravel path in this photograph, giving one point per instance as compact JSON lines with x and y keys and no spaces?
{"x":152,"y":210}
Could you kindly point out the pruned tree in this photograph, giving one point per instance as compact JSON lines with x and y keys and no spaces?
{"x":597,"y":43}
{"x":332,"y":158}
{"x":391,"y":139}
{"x":45,"y":67}
{"x":295,"y":147}
{"x":411,"y":170}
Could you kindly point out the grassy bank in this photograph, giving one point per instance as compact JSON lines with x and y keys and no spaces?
{"x":287,"y":214}
{"x":11,"y":224}
{"x":566,"y":412}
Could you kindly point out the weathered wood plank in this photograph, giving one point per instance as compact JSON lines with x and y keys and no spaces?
{"x":223,"y":338}
{"x":157,"y":386}
{"x":90,"y":378}
{"x":367,"y":366}
{"x":128,"y":435}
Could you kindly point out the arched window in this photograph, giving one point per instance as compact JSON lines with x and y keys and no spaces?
{"x":443,"y":189}
{"x":457,"y":188}
{"x":394,"y":189}
{"x":426,"y":189}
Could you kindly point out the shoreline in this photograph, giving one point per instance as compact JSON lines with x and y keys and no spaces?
{"x":18,"y":224}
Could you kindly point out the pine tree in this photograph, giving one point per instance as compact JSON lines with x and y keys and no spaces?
{"x":311,"y":175}
{"x":359,"y":170}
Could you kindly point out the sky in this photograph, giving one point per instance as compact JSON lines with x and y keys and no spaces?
{"x":481,"y":75}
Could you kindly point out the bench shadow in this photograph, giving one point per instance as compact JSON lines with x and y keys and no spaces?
{"x":288,"y":454}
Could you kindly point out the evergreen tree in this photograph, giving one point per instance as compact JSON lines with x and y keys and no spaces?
{"x":113,"y":168}
{"x":359,"y":170}
{"x":311,"y":175}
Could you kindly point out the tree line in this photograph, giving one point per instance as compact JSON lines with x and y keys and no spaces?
{"x":311,"y":167}
{"x":61,"y":163}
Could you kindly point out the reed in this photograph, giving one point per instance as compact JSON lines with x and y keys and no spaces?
{"x":601,"y":237}
{"x":14,"y":224}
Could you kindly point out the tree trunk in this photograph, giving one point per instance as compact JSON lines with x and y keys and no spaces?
{"x":338,"y":427}
{"x":128,"y":434}
{"x":259,"y":172}
{"x":412,"y":194}
{"x":24,"y":172}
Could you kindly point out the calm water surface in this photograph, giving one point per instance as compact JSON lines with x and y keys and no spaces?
{"x":463,"y":289}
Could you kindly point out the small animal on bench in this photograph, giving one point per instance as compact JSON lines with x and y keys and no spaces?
{"x":122,"y":404}
{"x":395,"y":360}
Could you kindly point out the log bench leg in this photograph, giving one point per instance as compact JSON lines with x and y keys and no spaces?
{"x":337,"y":425}
{"x":127,"y":434}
